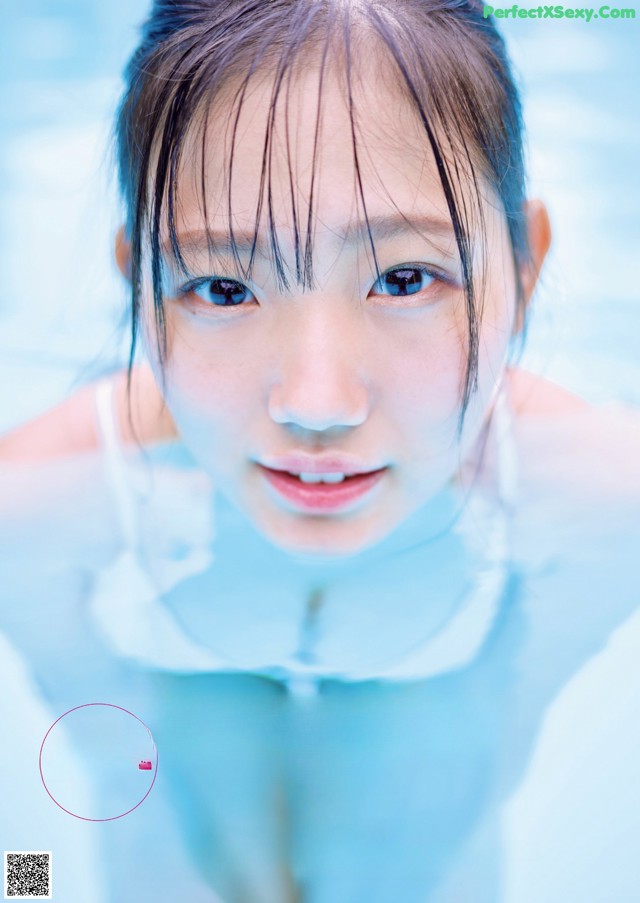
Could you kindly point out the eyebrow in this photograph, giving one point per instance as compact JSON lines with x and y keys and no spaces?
{"x":383,"y":228}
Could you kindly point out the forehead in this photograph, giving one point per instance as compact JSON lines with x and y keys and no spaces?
{"x":298,"y":155}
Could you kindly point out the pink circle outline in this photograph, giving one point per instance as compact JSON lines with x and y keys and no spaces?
{"x":84,"y":706}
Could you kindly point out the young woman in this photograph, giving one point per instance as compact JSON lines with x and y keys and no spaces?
{"x":340,"y":575}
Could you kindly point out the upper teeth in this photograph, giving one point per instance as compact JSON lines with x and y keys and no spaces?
{"x":321,"y":477}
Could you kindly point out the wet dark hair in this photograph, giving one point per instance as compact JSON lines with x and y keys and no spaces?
{"x":450,"y":62}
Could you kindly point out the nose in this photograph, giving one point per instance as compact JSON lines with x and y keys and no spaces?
{"x":320,"y":386}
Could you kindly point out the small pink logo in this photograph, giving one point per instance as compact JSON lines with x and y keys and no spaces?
{"x":145,"y":766}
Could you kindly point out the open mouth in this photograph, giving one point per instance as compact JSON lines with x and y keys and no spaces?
{"x":322,"y":492}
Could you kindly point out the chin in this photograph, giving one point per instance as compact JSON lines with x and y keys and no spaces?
{"x":321,"y":539}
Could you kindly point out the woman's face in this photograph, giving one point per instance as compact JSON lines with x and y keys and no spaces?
{"x":355,"y":382}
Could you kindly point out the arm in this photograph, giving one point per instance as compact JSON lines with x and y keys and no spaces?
{"x":71,"y":428}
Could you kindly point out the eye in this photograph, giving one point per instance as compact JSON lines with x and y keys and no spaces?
{"x":218,"y":291}
{"x":405,"y":280}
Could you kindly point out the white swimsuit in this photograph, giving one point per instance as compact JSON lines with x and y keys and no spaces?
{"x":127,"y":606}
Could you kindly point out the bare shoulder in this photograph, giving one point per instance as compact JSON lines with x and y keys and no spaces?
{"x":535,"y":396}
{"x":567,"y":442}
{"x":71,"y":427}
{"x":142,"y":413}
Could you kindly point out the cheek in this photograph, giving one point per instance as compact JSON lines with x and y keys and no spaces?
{"x":422,"y":366}
{"x":423,"y":363}
{"x":208,"y":390}
{"x":211,"y":385}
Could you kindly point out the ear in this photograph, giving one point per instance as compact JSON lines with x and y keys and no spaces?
{"x":123,"y":253}
{"x":539,"y":233}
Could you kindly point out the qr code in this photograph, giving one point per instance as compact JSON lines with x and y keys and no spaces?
{"x":27,"y":876}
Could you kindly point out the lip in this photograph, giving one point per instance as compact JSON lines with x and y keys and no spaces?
{"x":321,"y":463}
{"x":322,"y":498}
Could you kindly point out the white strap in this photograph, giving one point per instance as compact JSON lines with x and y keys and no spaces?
{"x":507,"y":451}
{"x":115,"y":465}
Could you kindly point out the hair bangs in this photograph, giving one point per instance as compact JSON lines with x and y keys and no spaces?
{"x":198,"y":55}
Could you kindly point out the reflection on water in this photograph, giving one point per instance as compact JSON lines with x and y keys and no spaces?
{"x":367,"y":791}
{"x":61,"y":302}
{"x":583,"y":117}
